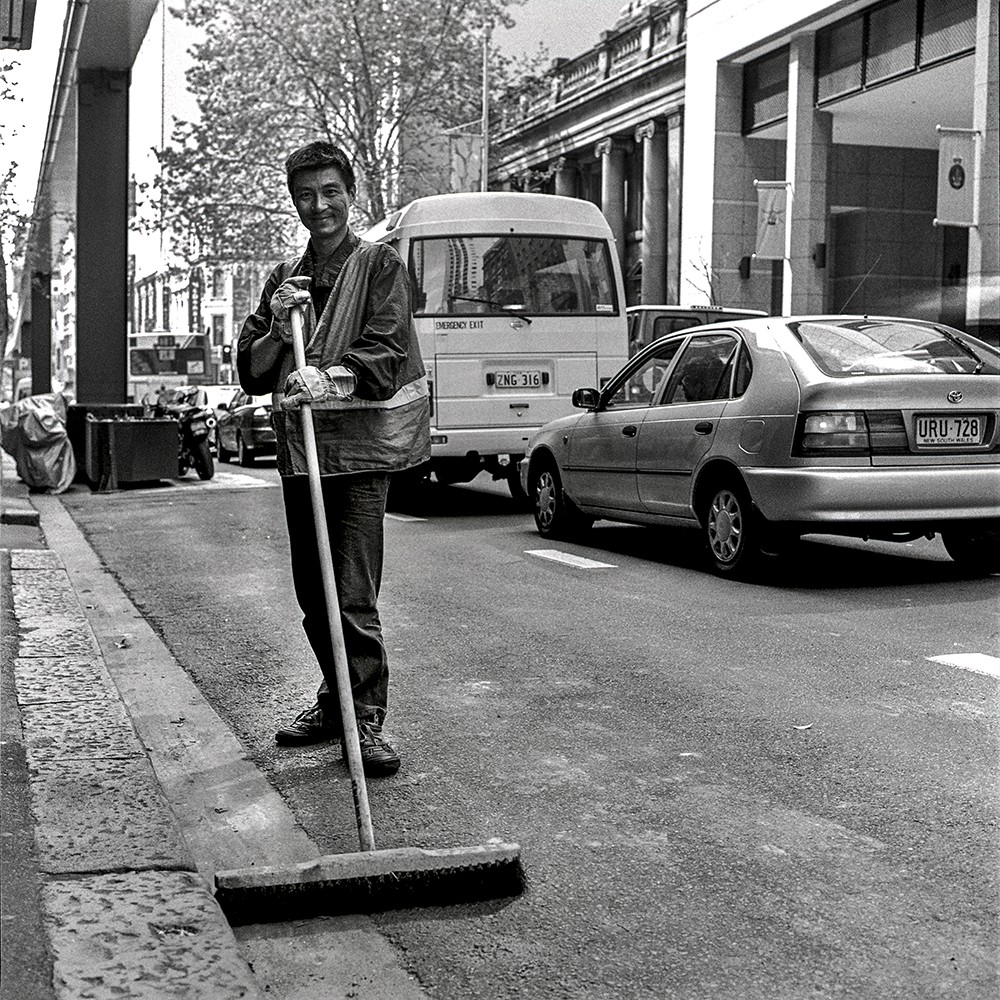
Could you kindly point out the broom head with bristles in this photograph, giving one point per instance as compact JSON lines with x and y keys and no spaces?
{"x":370,"y":881}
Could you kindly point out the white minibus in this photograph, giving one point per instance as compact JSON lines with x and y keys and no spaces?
{"x":518,"y":300}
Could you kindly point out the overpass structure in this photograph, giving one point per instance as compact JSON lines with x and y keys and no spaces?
{"x":83,"y":188}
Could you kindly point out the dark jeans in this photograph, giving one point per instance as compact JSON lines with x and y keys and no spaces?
{"x":355,"y":508}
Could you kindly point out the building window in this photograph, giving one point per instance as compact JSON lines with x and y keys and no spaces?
{"x":218,"y":284}
{"x":949,"y":29}
{"x":892,"y":41}
{"x":838,"y":59}
{"x":218,"y":330}
{"x":765,"y":90}
{"x":166,"y":306}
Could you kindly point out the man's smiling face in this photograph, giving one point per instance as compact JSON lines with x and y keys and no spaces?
{"x":323,"y":201}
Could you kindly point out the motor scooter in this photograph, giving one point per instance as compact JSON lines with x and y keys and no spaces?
{"x":194,"y":424}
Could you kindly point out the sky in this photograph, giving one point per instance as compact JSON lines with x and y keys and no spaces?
{"x":566,"y":27}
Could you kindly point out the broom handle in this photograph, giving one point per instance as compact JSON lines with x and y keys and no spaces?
{"x":352,"y":744}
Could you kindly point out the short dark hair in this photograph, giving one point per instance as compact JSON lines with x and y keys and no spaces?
{"x":317,"y":155}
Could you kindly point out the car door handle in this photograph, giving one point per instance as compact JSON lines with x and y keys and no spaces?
{"x":703,"y":427}
{"x":630,"y":430}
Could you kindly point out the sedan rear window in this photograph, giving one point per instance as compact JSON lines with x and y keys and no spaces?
{"x":890,"y":347}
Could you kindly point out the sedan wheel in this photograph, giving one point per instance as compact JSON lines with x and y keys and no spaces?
{"x":244,"y":455}
{"x":731,"y":531}
{"x":976,"y":551}
{"x":556,"y":516}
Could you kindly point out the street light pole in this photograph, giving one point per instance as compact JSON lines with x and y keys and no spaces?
{"x":484,"y":183}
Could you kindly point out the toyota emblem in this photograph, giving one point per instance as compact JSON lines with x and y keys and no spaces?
{"x":955,"y":396}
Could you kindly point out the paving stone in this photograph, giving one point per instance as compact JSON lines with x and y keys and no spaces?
{"x":103,"y":815}
{"x":63,"y":635}
{"x":34,"y":559}
{"x":142,"y":936}
{"x":43,"y":679}
{"x":78,"y":729}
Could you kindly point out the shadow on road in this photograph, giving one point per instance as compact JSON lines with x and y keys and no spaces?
{"x":818,"y":562}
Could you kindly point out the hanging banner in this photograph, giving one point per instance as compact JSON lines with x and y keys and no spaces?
{"x":772,"y":204}
{"x":956,"y":193}
{"x":466,"y":156}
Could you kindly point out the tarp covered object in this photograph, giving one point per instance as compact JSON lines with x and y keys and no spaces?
{"x":33,"y":432}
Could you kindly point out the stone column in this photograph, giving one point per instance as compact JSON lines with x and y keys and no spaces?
{"x":41,"y":332}
{"x":675,"y":146}
{"x":102,"y":236}
{"x":983,"y":295}
{"x":807,"y":151}
{"x":565,"y":177}
{"x":653,"y":137}
{"x":612,"y":156}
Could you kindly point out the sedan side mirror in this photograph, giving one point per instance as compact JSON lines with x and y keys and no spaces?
{"x":586,"y":399}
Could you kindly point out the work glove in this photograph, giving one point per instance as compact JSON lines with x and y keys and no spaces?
{"x":290,"y":293}
{"x":311,"y":385}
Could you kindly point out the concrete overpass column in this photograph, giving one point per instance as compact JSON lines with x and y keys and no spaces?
{"x":41,"y":332}
{"x":102,"y":236}
{"x":983,"y":295}
{"x":565,"y":177}
{"x":807,"y":152}
{"x":612,"y":156}
{"x":653,"y":138}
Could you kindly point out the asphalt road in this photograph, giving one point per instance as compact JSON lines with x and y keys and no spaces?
{"x":721,"y":789}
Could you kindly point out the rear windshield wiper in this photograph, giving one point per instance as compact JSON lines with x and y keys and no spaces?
{"x":505,"y":306}
{"x":963,"y":347}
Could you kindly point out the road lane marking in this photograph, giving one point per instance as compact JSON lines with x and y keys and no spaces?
{"x":978,"y":663}
{"x":222,"y":481}
{"x":577,"y":562}
{"x":403,"y":517}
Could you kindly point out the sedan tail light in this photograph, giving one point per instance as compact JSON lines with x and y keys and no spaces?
{"x":851,"y":432}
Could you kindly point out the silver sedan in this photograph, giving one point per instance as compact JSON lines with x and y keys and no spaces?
{"x":763,"y":430}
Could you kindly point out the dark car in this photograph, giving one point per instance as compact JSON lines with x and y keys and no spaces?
{"x":244,"y":429}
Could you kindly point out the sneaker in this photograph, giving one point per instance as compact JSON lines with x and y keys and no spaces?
{"x":310,"y":726}
{"x":377,"y":758}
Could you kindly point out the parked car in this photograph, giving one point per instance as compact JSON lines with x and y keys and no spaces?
{"x":244,"y":429}
{"x":763,"y":430}
{"x":649,"y":323}
{"x":217,"y":396}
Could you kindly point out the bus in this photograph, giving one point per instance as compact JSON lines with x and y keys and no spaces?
{"x":517,"y":300}
{"x":166,"y":360}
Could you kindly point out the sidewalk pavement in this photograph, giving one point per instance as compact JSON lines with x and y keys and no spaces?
{"x":122,"y":793}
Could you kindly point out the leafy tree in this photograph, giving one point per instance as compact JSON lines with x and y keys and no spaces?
{"x":381,"y":78}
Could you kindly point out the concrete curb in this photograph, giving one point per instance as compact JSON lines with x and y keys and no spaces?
{"x":125,"y":910}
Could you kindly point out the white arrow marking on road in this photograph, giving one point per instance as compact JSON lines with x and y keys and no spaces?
{"x":404,"y":517}
{"x":570,"y":560}
{"x":978,"y":663}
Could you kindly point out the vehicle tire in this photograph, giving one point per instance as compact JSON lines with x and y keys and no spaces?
{"x":976,"y":550}
{"x":202,"y":458}
{"x":244,"y":455}
{"x":521,"y":499}
{"x":732,"y":531}
{"x":556,"y":516}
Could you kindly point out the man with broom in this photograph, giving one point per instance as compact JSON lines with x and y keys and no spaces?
{"x":365,"y":386}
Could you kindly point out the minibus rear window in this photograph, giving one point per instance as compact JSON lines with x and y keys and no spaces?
{"x":504,"y":275}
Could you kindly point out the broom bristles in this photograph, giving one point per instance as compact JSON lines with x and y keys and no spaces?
{"x":370,"y":881}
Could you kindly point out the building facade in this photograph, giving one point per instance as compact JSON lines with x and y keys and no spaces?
{"x":687,"y":117}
